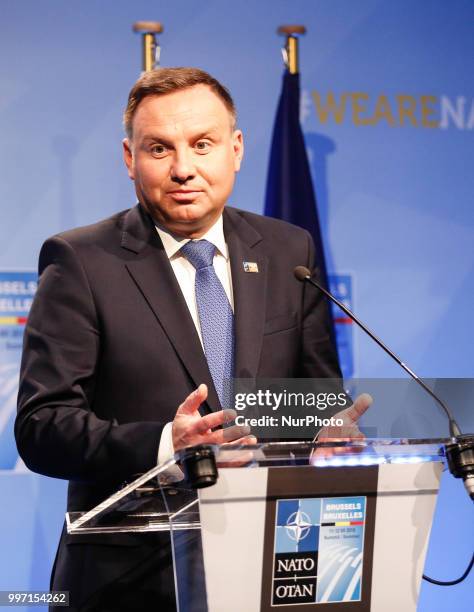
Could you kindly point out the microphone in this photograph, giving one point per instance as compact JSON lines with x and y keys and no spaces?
{"x":460,"y":450}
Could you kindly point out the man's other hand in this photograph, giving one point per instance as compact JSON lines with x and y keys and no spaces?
{"x":350,"y":417}
{"x":190,"y":428}
{"x":349,"y":430}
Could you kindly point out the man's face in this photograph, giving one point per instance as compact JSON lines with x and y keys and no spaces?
{"x":183,"y":157}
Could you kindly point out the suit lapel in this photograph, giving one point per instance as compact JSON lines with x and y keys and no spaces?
{"x":154,"y":277}
{"x":249,"y":291}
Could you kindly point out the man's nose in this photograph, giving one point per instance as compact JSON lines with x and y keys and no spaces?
{"x":182,"y":168}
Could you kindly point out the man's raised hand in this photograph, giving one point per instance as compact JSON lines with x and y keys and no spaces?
{"x":190,"y":428}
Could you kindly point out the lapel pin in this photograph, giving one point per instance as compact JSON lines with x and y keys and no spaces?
{"x":250,"y":266}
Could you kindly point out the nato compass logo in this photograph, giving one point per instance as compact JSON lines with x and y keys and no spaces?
{"x":298,"y":526}
{"x":318,"y":550}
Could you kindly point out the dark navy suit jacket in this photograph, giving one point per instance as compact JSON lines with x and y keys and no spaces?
{"x":110,"y":351}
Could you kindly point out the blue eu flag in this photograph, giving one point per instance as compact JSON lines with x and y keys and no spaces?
{"x":290,"y":194}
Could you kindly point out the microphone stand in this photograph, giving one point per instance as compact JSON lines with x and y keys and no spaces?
{"x":460,"y":450}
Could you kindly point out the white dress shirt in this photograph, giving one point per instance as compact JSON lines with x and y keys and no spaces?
{"x":186,"y":275}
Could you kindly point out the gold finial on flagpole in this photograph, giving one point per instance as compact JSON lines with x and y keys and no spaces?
{"x":150,"y":45}
{"x":290,"y":50}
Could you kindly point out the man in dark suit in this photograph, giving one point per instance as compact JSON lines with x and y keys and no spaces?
{"x":117,"y":369}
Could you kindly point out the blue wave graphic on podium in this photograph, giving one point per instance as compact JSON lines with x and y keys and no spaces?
{"x":339,"y":573}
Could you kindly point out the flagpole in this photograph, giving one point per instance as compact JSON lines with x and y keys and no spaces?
{"x":290,"y":193}
{"x":290,"y":50}
{"x":150,"y":46}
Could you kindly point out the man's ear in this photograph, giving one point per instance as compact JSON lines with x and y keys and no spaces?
{"x":128,"y":157}
{"x":238,"y":146}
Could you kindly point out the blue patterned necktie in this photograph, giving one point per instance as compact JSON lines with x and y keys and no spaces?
{"x":215,"y":316}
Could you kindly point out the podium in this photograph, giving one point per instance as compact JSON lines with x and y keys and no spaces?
{"x":287,"y":526}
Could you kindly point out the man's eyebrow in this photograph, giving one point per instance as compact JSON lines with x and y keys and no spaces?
{"x":156,"y":138}
{"x":211,"y":131}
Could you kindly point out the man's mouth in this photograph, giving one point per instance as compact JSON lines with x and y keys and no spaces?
{"x":181,"y":195}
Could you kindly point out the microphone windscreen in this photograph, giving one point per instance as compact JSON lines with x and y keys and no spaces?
{"x":301,"y":273}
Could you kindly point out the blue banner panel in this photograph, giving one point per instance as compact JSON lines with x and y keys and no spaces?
{"x":17,"y":289}
{"x":340,"y":285}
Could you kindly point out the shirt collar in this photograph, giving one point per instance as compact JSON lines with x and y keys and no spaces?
{"x":215,"y":235}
